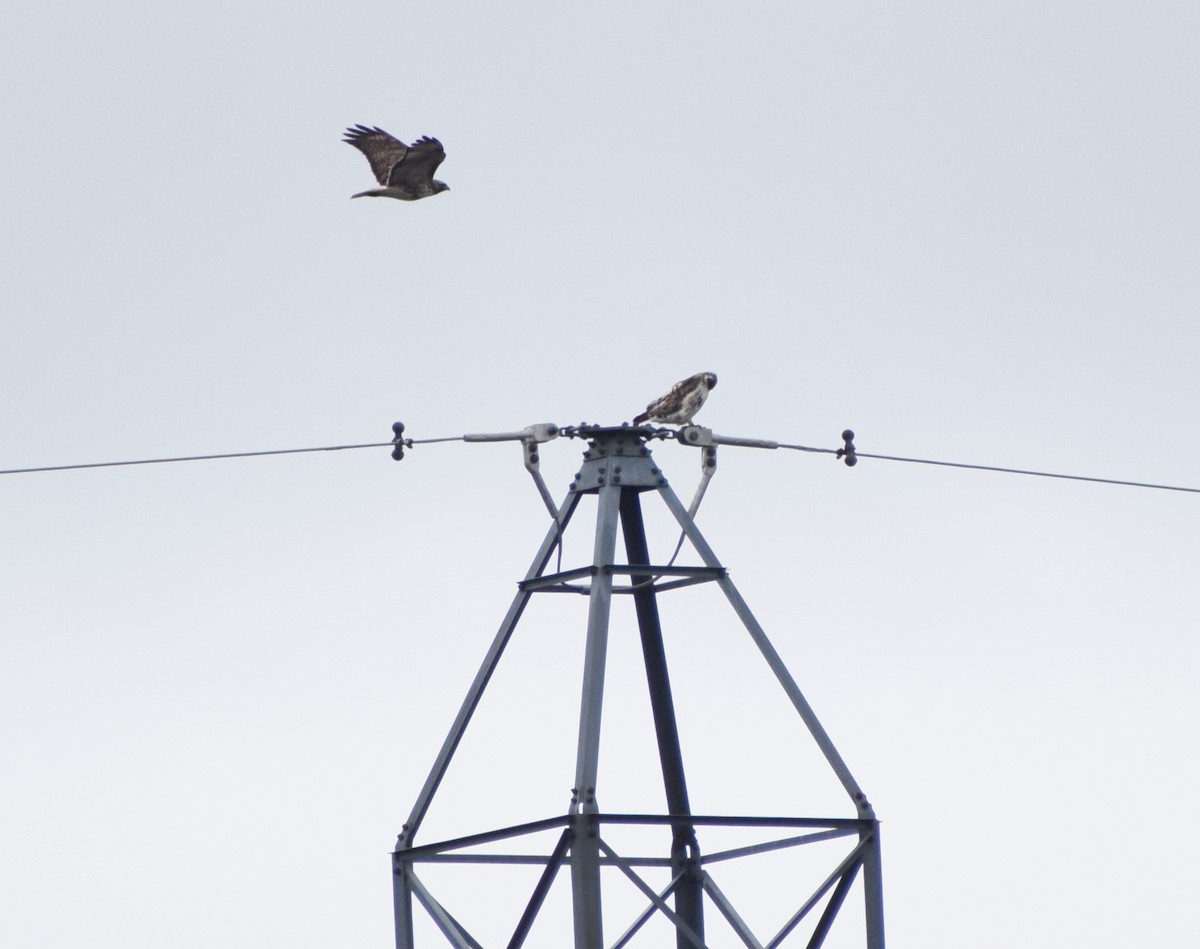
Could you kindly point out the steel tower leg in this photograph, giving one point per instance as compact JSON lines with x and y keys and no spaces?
{"x":873,"y":890}
{"x":585,"y":845}
{"x":402,"y":906}
{"x":685,"y":850}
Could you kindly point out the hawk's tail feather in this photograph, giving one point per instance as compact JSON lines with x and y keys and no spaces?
{"x":639,"y":419}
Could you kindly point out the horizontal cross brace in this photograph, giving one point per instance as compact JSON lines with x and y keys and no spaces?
{"x":521,"y":859}
{"x":558,"y":582}
{"x":781,"y":844}
{"x":474,"y":840}
{"x":831,"y":827}
{"x":537,"y":860}
{"x":856,"y":823}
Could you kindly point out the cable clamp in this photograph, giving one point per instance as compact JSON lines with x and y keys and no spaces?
{"x":696,"y":435}
{"x":542,"y":432}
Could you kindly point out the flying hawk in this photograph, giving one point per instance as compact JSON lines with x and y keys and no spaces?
{"x":680,"y":405}
{"x":405,"y":171}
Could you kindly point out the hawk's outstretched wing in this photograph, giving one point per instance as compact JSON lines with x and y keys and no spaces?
{"x":383,"y":151}
{"x":418,"y":164}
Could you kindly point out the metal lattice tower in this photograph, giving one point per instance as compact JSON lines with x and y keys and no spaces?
{"x":619,"y":469}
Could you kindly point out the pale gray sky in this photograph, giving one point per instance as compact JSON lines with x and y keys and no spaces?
{"x":967,"y":231}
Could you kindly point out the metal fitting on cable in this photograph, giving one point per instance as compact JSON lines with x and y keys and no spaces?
{"x":847,"y":453}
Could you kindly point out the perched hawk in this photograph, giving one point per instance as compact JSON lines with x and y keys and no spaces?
{"x":405,"y":171}
{"x":680,"y":405}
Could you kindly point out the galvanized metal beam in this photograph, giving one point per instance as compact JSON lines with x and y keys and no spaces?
{"x":585,"y":857}
{"x":821,"y":930}
{"x":809,"y":717}
{"x":873,"y":888}
{"x":559,"y":582}
{"x":693,"y":938}
{"x":731,"y":915}
{"x":644,"y":916}
{"x":685,"y":850}
{"x":767,"y":846}
{"x":402,"y":890}
{"x":540,"y":891}
{"x":742,"y":820}
{"x":402,"y":906}
{"x":412,"y":854}
{"x":484,"y":675}
{"x":451,"y":928}
{"x":850,"y":862}
{"x":526,"y":860}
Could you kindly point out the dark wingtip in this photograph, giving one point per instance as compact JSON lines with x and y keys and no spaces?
{"x":354,"y":132}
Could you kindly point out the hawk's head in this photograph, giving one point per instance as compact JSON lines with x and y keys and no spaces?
{"x":710,"y":379}
{"x":440,"y":186}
